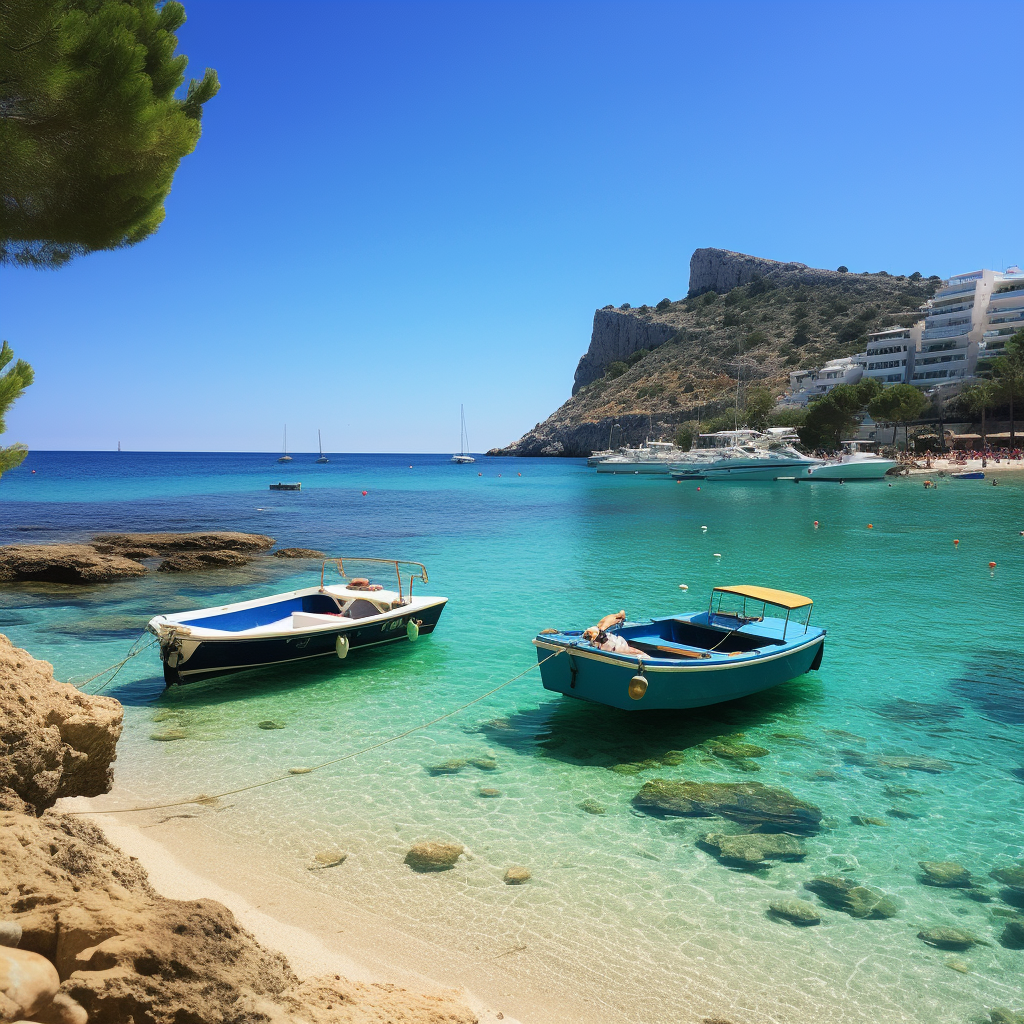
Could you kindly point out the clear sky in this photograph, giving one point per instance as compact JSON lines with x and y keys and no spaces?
{"x":398,"y":208}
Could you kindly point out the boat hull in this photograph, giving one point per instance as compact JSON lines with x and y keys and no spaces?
{"x":632,"y":468}
{"x":605,"y":679}
{"x":843,"y":471}
{"x":226,"y":655}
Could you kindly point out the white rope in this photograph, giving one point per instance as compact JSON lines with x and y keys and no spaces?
{"x":116,"y":667}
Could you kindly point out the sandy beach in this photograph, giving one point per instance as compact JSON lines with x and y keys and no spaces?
{"x":969,"y":466}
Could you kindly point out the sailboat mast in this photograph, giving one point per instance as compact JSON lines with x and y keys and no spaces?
{"x":320,"y":440}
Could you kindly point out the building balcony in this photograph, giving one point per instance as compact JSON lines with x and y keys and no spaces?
{"x":961,"y":331}
{"x":1012,"y":317}
{"x":957,"y":289}
{"x":1012,"y":290}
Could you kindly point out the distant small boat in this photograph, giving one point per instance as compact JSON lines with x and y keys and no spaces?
{"x":323,"y":458}
{"x":686,"y":661}
{"x":978,"y":475}
{"x":463,"y":457}
{"x":285,"y":457}
{"x":286,"y":487}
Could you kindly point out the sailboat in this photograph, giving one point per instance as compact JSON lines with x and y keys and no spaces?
{"x":285,"y":457}
{"x":323,"y":458}
{"x":463,"y":456}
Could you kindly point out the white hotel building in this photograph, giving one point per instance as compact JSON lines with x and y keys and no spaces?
{"x":970,"y":314}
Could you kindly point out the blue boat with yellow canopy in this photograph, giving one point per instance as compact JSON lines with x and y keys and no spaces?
{"x":686,"y":661}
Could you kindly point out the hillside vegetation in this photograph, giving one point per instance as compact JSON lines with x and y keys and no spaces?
{"x":753,"y":335}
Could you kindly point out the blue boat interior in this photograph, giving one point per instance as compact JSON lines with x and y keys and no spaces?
{"x":263,"y":614}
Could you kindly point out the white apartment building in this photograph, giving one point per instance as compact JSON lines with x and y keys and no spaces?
{"x":953,"y":329}
{"x":1005,"y":313}
{"x":889,"y":355}
{"x":806,"y":385}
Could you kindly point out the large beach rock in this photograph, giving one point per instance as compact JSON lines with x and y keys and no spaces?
{"x":64,"y":563}
{"x":170,"y":543}
{"x":853,"y":899}
{"x":299,"y":553}
{"x":753,"y":849}
{"x":1013,"y":934}
{"x":433,"y":856}
{"x":198,"y":561}
{"x":55,"y":741}
{"x":750,"y":803}
{"x":947,"y":938}
{"x":28,"y":983}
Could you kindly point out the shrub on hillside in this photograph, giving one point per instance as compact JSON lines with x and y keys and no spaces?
{"x":616,"y":369}
{"x":664,"y":304}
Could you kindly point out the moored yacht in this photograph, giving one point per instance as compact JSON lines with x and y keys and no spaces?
{"x":741,"y":455}
{"x":851,"y":464}
{"x":651,"y":457}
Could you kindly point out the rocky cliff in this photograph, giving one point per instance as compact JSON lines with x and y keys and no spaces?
{"x":85,"y":938}
{"x":746,"y":322}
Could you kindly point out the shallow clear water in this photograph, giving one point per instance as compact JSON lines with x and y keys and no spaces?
{"x":923,"y":658}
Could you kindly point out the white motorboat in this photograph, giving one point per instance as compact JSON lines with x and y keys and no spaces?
{"x":851,"y":465}
{"x":651,"y":457}
{"x":741,"y":455}
{"x":463,"y":458}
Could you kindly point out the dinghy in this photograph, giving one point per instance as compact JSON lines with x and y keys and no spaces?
{"x":688,"y":661}
{"x":312,"y":623}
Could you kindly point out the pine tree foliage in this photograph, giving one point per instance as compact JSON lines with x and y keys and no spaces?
{"x":12,"y":385}
{"x":91,"y":132}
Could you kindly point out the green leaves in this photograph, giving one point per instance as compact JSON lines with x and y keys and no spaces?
{"x":12,"y":386}
{"x":90,"y":130}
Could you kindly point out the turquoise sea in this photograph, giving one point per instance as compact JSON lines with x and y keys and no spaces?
{"x":924,"y":661}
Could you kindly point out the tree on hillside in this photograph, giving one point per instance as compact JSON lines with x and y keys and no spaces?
{"x":835,"y":414}
{"x":12,"y":385}
{"x":898,"y":404}
{"x":91,"y":132}
{"x":759,"y":404}
{"x":979,"y":397}
{"x":1008,"y":376}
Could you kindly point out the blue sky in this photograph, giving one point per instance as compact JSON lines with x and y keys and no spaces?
{"x":398,"y":208}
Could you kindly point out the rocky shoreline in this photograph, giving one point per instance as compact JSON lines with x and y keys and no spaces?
{"x":85,"y":937}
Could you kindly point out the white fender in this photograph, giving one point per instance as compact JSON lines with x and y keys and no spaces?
{"x":412,"y":630}
{"x":341,"y":647}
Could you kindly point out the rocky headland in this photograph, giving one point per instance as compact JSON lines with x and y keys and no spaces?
{"x":651,"y":368}
{"x":84,"y":937}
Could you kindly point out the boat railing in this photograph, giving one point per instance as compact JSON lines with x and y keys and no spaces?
{"x":397,"y":564}
{"x":789,"y":602}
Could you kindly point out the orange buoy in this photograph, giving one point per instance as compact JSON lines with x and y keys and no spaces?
{"x":815,"y":523}
{"x":698,"y":488}
{"x":991,"y":565}
{"x":519,"y":474}
{"x":364,"y":494}
{"x":870,"y":527}
{"x":956,"y":543}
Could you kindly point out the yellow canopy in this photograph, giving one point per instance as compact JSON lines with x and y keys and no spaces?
{"x":779,"y":597}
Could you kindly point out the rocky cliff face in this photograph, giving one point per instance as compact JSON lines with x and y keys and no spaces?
{"x":652,"y":369}
{"x":616,"y":335}
{"x":719,"y":270}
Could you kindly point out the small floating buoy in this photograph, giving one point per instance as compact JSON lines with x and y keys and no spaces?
{"x":33,"y":470}
{"x":815,"y":523}
{"x":956,"y":543}
{"x":698,"y":488}
{"x":637,"y":687}
{"x":299,"y":771}
{"x":991,"y":565}
{"x":519,"y":474}
{"x":703,"y":529}
{"x":341,"y":647}
{"x":412,"y":630}
{"x":479,"y":474}
{"x":718,"y":554}
{"x":683,"y":586}
{"x":870,"y":527}
{"x":364,"y":494}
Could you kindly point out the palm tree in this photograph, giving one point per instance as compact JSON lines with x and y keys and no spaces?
{"x":1008,"y":376}
{"x":979,"y":398}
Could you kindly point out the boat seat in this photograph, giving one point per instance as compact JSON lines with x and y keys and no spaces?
{"x":668,"y":647}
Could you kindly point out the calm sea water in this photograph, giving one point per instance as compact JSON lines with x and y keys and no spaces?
{"x":923,"y":659}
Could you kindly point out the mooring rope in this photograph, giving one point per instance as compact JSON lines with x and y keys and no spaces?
{"x":117,"y":666}
{"x":211,"y":799}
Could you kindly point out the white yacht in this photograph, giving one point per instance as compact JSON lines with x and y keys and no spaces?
{"x":742,"y":455}
{"x":462,"y":457}
{"x":851,"y":464}
{"x":651,"y":457}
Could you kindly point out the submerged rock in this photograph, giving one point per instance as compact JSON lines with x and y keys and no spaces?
{"x":517,"y":875}
{"x":1001,"y":1015}
{"x":167,"y":735}
{"x":488,"y":792}
{"x":754,"y":848}
{"x":1013,"y":934}
{"x":750,"y":803}
{"x":731,"y":750}
{"x":299,"y":553}
{"x":959,"y":966}
{"x":947,"y":938}
{"x":673,"y":758}
{"x":328,"y":859}
{"x":433,"y":856}
{"x":907,"y":763}
{"x":861,"y":819}
{"x":856,"y":900}
{"x":946,"y":874}
{"x":485,"y":764}
{"x":796,"y":911}
{"x":452,"y":766}
{"x":197,"y":561}
{"x":591,"y":806}
{"x":1012,"y":876}
{"x":899,"y":812}
{"x":269,"y":723}
{"x":170,"y":543}
{"x":900,"y":792}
